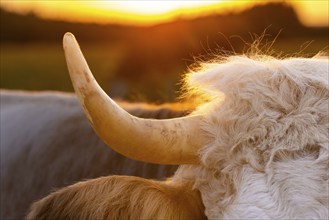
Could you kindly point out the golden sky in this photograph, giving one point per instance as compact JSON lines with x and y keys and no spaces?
{"x":311,"y":12}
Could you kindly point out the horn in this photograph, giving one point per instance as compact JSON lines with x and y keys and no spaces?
{"x":171,"y":141}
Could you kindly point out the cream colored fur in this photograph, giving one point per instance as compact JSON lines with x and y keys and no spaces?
{"x":267,"y":121}
{"x":269,"y":154}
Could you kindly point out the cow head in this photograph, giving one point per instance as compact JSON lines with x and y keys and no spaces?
{"x":256,"y":147}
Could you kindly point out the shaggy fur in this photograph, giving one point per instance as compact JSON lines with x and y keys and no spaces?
{"x":269,"y":154}
{"x":121,"y":197}
{"x":267,"y":121}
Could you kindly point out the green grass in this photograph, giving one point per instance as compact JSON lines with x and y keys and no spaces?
{"x":43,"y":67}
{"x":33,"y":67}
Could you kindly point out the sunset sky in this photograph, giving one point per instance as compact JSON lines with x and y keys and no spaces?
{"x":311,"y":12}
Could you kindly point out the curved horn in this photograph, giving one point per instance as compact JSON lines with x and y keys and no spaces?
{"x":172,"y":141}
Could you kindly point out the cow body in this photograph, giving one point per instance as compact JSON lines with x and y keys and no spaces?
{"x":257,"y":147}
{"x":47,"y":143}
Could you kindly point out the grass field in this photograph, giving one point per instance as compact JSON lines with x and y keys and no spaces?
{"x":42,"y":66}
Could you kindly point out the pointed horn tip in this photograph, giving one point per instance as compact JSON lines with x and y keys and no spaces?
{"x":68,"y":39}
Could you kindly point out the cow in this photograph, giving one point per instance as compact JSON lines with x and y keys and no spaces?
{"x":255,"y":148}
{"x":47,"y":143}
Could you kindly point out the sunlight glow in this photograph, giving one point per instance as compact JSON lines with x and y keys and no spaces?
{"x":312,"y":13}
{"x":152,"y":12}
{"x":152,"y":7}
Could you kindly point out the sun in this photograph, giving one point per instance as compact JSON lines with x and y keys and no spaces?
{"x":122,"y":11}
{"x":151,"y":12}
{"x":148,"y":8}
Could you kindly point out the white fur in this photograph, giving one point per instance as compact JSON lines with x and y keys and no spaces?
{"x":268,"y":158}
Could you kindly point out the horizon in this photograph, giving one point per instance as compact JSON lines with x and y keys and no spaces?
{"x":146,"y":13}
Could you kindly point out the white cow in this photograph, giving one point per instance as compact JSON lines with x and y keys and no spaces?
{"x":257,"y":148}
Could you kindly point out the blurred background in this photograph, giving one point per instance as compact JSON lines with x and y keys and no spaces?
{"x":138,"y":50}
